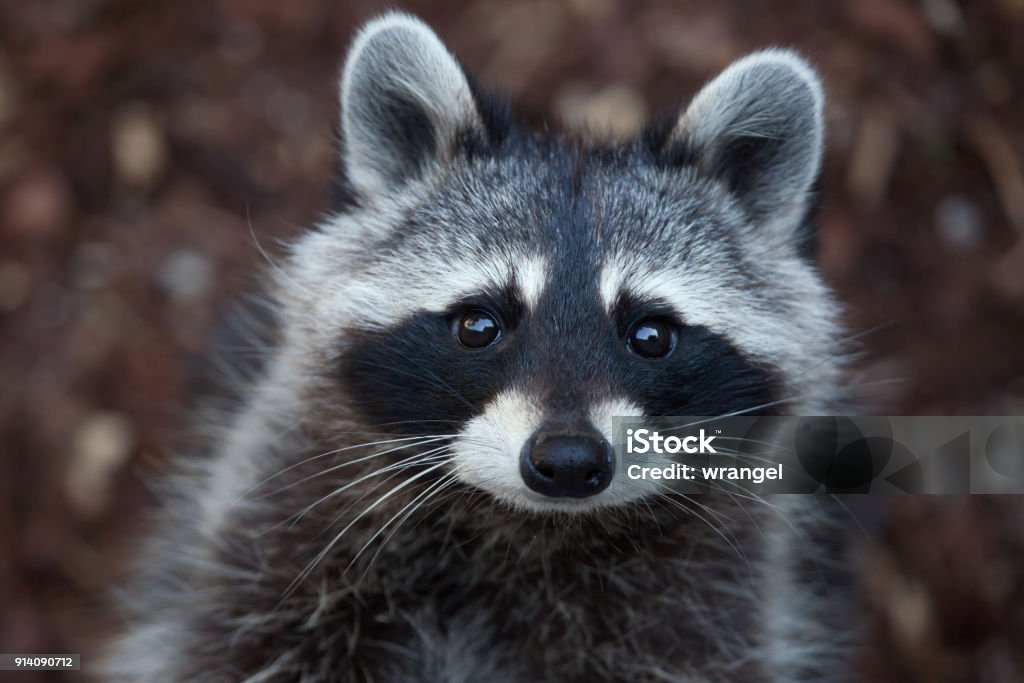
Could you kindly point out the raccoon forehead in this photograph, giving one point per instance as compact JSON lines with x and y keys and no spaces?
{"x":351,"y":290}
{"x":389,"y":294}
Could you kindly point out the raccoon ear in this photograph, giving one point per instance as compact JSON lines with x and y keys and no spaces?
{"x":759,"y":128}
{"x":404,"y":103}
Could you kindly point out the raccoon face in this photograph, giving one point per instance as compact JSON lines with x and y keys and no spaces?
{"x":512,"y":292}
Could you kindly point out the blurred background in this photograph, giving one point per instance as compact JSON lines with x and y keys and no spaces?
{"x":147,"y":148}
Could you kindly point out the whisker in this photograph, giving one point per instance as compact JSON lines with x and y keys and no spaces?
{"x":405,"y":463}
{"x":437,"y":455}
{"x":327,"y":549}
{"x":348,"y":448}
{"x":335,"y":468}
{"x":730,"y":540}
{"x":415,"y":504}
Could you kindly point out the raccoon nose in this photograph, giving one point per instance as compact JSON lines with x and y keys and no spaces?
{"x":566,"y":466}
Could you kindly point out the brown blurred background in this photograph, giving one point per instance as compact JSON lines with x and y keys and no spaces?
{"x":145,"y":148}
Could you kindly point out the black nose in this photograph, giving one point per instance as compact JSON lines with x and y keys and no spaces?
{"x":563,"y":466}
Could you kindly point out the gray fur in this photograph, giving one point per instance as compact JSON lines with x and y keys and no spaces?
{"x":316,"y":545}
{"x":766,"y":108}
{"x":397,"y":68}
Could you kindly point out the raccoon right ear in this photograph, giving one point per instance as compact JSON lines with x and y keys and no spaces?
{"x":405,"y":101}
{"x":759,"y":128}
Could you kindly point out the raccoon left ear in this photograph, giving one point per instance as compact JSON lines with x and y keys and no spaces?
{"x":404,"y":103}
{"x":759,"y":128}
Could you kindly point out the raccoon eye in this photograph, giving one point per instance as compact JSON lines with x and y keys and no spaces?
{"x":651,"y":338}
{"x":477,"y":329}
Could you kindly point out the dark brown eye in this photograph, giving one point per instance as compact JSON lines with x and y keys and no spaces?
{"x":651,"y":338}
{"x":477,"y":329}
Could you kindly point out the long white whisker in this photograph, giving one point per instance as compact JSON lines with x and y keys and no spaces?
{"x":416,"y":503}
{"x":348,"y":448}
{"x":439,"y":455}
{"x":335,"y":468}
{"x":401,"y":464}
{"x":334,"y":541}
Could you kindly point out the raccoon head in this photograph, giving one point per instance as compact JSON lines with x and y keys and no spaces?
{"x":512,"y":291}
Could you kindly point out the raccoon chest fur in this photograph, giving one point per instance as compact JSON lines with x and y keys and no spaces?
{"x":468,"y":591}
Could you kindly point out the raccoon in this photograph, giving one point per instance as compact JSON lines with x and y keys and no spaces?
{"x":419,"y":485}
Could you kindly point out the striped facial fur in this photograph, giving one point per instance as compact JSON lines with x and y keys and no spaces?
{"x":419,"y":484}
{"x":693,"y":236}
